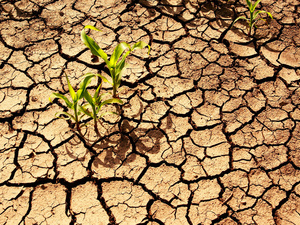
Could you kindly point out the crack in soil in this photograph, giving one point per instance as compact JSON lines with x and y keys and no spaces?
{"x":208,"y":133}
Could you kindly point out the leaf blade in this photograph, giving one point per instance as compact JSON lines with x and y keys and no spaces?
{"x":66,"y":114}
{"x":93,"y":46}
{"x":91,"y":28}
{"x":118,"y":51}
{"x":88,"y":97}
{"x":110,"y":101}
{"x":107,"y":113}
{"x":239,"y":18}
{"x":249,"y":4}
{"x":71,"y":90}
{"x":255,"y":4}
{"x":60,"y":96}
{"x":84,"y":83}
{"x":85,"y":111}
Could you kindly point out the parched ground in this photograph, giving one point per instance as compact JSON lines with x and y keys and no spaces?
{"x":209,"y":132}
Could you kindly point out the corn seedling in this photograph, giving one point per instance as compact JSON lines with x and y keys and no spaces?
{"x":96,"y":102}
{"x":116,"y":64}
{"x":253,"y":15}
{"x":73,"y":105}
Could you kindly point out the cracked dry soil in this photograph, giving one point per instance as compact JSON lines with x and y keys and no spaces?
{"x":209,"y":132}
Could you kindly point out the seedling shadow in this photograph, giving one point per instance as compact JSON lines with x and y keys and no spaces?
{"x":121,"y":144}
{"x":122,"y":147}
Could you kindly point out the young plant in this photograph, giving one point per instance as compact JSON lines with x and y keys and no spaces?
{"x":96,"y":102}
{"x":116,"y":64}
{"x":253,"y":15}
{"x":76,"y":96}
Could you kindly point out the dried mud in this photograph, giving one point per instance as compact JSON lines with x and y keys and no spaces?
{"x":209,"y":132}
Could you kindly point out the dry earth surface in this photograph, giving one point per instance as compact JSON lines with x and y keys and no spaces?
{"x":209,"y":131}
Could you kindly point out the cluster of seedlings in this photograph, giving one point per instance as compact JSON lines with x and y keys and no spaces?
{"x":85,"y":104}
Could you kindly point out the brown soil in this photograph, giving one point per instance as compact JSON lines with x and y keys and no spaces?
{"x":209,"y":132}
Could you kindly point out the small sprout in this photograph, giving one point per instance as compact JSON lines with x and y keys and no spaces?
{"x":93,"y":105}
{"x":253,"y":15}
{"x":76,"y":96}
{"x":96,"y":102}
{"x":116,"y":64}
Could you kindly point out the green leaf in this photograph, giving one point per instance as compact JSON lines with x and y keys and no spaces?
{"x":58,"y":95}
{"x":88,"y":97}
{"x":255,"y":4}
{"x":90,"y":43}
{"x":107,"y":113}
{"x":103,"y":78}
{"x":85,"y":111}
{"x":71,"y":90}
{"x":149,"y":49}
{"x":110,"y":101}
{"x":262,"y":11}
{"x":87,"y":76}
{"x":93,"y":46}
{"x":262,"y":20}
{"x":112,"y":74}
{"x":100,"y":97}
{"x":121,"y":64}
{"x":97,"y":91}
{"x":270,"y":15}
{"x":84,"y":83}
{"x":249,"y":4}
{"x":118,"y":51}
{"x":66,"y":114}
{"x":239,"y":18}
{"x":139,"y":45}
{"x":120,"y":75}
{"x":255,"y":14}
{"x":252,"y":25}
{"x":91,"y":27}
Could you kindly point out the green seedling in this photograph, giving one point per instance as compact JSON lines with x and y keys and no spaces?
{"x":253,"y":15}
{"x":76,"y":96}
{"x":116,"y":64}
{"x":96,"y":102}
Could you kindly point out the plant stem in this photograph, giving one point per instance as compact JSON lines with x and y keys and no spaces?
{"x":250,"y":23}
{"x":114,"y":91}
{"x":95,"y":121}
{"x":76,"y":117}
{"x":96,"y":127}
